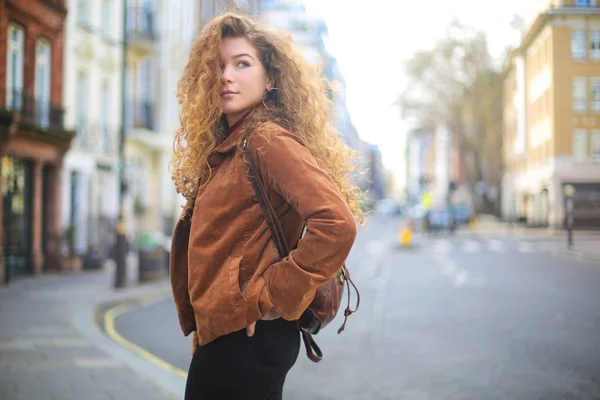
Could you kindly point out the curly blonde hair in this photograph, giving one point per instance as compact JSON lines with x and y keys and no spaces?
{"x":300,"y":105}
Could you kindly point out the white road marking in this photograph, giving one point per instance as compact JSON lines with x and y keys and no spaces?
{"x":471,"y":246}
{"x":440,"y":258}
{"x":442,"y":246}
{"x":526,"y":247}
{"x":449,"y":268}
{"x":461,"y":276}
{"x":496,"y":245}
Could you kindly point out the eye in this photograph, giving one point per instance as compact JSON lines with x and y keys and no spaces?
{"x":243,"y":64}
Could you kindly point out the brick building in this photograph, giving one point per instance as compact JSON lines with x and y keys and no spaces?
{"x":33,"y":140}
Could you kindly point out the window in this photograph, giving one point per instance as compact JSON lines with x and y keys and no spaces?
{"x":43,"y":55}
{"x":144,"y":109}
{"x":82,"y":94}
{"x":595,"y":45}
{"x":83,"y":13}
{"x":584,"y":3}
{"x":579,"y":144}
{"x":106,"y":19}
{"x":14,"y":66}
{"x":595,"y":104}
{"x":543,"y":54}
{"x":579,"y":94}
{"x":129,"y":107}
{"x":595,"y":150}
{"x":105,"y":117}
{"x":578,"y":45}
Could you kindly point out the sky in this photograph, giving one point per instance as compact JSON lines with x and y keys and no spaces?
{"x":373,"y":39}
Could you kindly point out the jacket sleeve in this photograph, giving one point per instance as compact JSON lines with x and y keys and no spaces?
{"x":290,"y":169}
{"x":178,"y":270}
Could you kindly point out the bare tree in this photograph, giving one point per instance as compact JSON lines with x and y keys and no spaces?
{"x":454,"y":84}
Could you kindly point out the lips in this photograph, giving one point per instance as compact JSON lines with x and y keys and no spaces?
{"x":228,"y":93}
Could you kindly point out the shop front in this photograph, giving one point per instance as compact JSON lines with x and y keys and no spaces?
{"x":30,"y":168}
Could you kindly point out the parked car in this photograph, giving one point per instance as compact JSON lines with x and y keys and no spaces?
{"x":462,"y":213}
{"x":442,"y":219}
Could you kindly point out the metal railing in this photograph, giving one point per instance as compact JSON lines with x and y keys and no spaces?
{"x":139,"y":115}
{"x":576,"y":4}
{"x":141,"y":23}
{"x":42,"y":114}
{"x":98,"y":137}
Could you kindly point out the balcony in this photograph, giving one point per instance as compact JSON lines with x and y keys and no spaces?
{"x":139,"y":115}
{"x":141,"y":30}
{"x":35,"y":115}
{"x":574,"y":6}
{"x":99,"y":138}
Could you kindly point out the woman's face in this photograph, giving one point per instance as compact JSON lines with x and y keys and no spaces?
{"x":244,"y":78}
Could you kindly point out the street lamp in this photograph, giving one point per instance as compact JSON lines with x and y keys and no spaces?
{"x":8,"y":204}
{"x":569,"y":191}
{"x":121,"y":232}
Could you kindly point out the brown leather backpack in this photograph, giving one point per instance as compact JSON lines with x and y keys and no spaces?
{"x":324,"y":307}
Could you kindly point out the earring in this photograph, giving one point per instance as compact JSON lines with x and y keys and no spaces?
{"x":266,"y":93}
{"x":263,"y":98}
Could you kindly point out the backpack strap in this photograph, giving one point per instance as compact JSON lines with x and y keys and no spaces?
{"x":348,"y":311}
{"x":313,"y":351}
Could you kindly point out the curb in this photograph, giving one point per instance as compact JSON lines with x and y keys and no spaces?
{"x":108,"y":317}
{"x":88,"y":318}
{"x":579,"y":255}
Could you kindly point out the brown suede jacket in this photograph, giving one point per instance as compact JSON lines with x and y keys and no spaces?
{"x":225,"y":270}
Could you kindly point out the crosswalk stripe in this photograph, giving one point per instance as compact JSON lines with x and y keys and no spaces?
{"x":526,"y":247}
{"x":442,"y":246}
{"x":471,"y":246}
{"x":496,"y":245}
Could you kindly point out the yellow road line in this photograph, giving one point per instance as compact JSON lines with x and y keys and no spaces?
{"x":109,"y":327}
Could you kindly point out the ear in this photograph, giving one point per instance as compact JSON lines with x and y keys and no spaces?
{"x":270,"y":83}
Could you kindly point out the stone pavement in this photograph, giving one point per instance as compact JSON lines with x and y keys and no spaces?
{"x":52,"y":349}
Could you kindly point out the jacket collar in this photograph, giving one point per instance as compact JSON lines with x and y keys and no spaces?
{"x":239,"y":131}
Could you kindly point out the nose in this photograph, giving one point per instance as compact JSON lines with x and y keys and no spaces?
{"x":226,"y":76}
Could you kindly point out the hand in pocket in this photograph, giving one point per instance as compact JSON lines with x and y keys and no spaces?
{"x":269,"y":316}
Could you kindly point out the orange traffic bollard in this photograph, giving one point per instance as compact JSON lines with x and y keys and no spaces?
{"x":406,"y":236}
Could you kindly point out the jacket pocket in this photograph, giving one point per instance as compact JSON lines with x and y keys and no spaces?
{"x":235,"y":293}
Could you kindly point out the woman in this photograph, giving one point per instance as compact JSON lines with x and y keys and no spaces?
{"x":245,"y":84}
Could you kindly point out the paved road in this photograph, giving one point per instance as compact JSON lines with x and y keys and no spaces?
{"x":455,"y":318}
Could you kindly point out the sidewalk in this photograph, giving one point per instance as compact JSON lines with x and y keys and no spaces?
{"x":52,"y":349}
{"x":586,"y":243}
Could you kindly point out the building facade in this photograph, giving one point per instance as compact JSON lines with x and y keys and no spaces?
{"x":33,"y":139}
{"x":158,"y":38}
{"x":552,"y":117}
{"x":92,"y":99}
{"x":179,"y":25}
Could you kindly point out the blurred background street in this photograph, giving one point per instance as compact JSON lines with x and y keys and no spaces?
{"x":473,"y":316}
{"x":476,"y":128}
